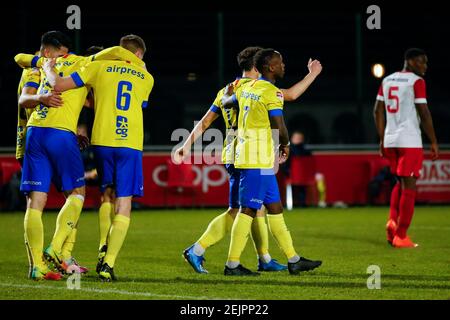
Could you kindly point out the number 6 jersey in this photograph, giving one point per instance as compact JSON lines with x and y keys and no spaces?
{"x":121,"y":90}
{"x":400,"y":92}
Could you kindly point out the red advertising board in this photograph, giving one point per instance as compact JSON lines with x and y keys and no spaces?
{"x":347,"y":175}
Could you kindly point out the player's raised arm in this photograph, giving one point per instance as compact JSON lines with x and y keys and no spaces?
{"x":117,"y":53}
{"x":291,"y":94}
{"x":58,"y":83}
{"x":25,"y":60}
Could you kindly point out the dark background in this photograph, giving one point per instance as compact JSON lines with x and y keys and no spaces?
{"x":186,"y":42}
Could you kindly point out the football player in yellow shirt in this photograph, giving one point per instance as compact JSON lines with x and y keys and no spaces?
{"x":221,"y":225}
{"x":121,"y":90}
{"x":261,"y":110}
{"x":53,"y":44}
{"x":27,"y":101}
{"x":51,"y":130}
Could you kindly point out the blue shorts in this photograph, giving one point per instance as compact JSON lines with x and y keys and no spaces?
{"x":120,"y":169}
{"x":258,"y":187}
{"x":51,"y":155}
{"x":234,"y":176}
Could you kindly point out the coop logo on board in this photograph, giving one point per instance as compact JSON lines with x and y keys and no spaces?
{"x":203,"y":176}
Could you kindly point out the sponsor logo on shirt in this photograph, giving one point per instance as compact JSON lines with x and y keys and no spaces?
{"x":125,"y":70}
{"x":122,"y":126}
{"x":250,"y":95}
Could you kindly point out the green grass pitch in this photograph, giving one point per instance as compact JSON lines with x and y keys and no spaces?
{"x":150,"y":265}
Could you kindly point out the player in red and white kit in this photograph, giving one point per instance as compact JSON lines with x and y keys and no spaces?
{"x":401,"y":108}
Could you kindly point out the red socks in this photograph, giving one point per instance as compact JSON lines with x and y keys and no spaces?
{"x":406,"y":211}
{"x":395,"y":201}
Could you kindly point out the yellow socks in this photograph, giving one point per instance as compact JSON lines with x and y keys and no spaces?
{"x":217,"y":229}
{"x":68,"y":245}
{"x":117,"y":235}
{"x":260,"y":236}
{"x":239,"y":235}
{"x":105,"y":216}
{"x":321,"y":187}
{"x":281,"y":234}
{"x":66,"y":221}
{"x":34,"y":236}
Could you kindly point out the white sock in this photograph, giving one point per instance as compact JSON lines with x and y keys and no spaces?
{"x":198,"y":249}
{"x":294,"y":259}
{"x":266,"y":258}
{"x":232,"y":264}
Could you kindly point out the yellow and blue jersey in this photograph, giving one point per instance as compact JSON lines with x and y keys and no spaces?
{"x":230,"y":118}
{"x":30,"y":78}
{"x":66,"y":116}
{"x":121,"y":90}
{"x":258,"y":100}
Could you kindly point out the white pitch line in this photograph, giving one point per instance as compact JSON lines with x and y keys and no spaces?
{"x":123,"y":292}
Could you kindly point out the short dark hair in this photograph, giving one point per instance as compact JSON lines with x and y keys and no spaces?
{"x":93,"y":50}
{"x":245,"y":58}
{"x":133,"y":43}
{"x":412,"y":53}
{"x":262,"y":59}
{"x":56,"y":39}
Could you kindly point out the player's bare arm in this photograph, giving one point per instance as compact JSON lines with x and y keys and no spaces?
{"x":294,"y":92}
{"x":58,"y":83}
{"x":198,"y":130}
{"x":426,"y":122}
{"x":30,"y":99}
{"x":277,"y":122}
{"x":380,"y":122}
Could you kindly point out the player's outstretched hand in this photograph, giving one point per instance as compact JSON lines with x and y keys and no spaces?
{"x":51,"y":99}
{"x":83,"y":141}
{"x":434,"y":151}
{"x":283,"y":153}
{"x":314,"y":66}
{"x":180,"y":154}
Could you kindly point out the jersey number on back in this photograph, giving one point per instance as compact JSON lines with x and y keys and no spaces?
{"x":123,"y":95}
{"x":393,"y":98}
{"x":123,"y":101}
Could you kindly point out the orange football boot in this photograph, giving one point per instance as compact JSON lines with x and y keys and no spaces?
{"x":403,"y":243}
